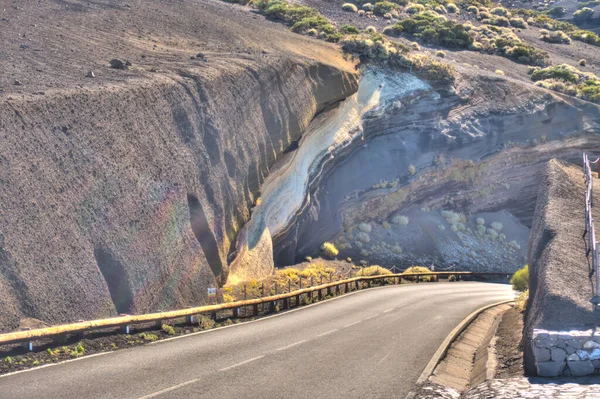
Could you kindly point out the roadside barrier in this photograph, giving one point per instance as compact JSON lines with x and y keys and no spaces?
{"x":591,"y":243}
{"x":287,"y":300}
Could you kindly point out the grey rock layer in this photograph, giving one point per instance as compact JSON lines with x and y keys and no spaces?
{"x":128,"y":199}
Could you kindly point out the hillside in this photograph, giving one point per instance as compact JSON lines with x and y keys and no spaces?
{"x":152,"y":149}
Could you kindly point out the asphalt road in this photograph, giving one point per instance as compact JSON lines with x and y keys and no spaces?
{"x":371,"y":344}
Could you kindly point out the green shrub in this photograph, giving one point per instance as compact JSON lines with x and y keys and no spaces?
{"x":560,"y":72}
{"x":582,"y":62}
{"x":329,"y":250}
{"x":557,"y":12}
{"x":384,"y":7}
{"x":520,"y":280}
{"x":583,"y":15}
{"x":167,"y":329}
{"x":440,"y":9}
{"x":440,"y":53}
{"x":452,"y":8}
{"x":433,"y":29}
{"x":349,"y":7}
{"x":472,"y":10}
{"x":500,"y":11}
{"x":590,"y":4}
{"x":206,"y":323}
{"x":521,"y":301}
{"x":417,"y":269}
{"x":373,"y":271}
{"x":415,"y":8}
{"x":558,"y":36}
{"x":518,"y":23}
{"x":349,"y":29}
{"x":149,"y":337}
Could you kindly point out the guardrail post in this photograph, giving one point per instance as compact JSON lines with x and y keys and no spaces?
{"x":245,"y":292}
{"x":369,"y":283}
{"x":300,"y":282}
{"x":126,"y":328}
{"x":337,"y":289}
{"x":356,"y":285}
{"x":418,"y":279}
{"x":189,"y":319}
{"x":289,"y":285}
{"x":320,"y":294}
{"x":28,"y":346}
{"x":346,"y":288}
{"x":286,"y":303}
{"x":236,"y":312}
{"x":213,"y":315}
{"x":298,"y":300}
{"x":255,"y":309}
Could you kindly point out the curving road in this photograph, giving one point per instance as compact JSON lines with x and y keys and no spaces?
{"x":370,"y":344}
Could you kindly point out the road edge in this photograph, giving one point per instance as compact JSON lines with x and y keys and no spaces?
{"x":443,"y":349}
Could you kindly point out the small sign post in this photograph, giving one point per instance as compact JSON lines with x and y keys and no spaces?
{"x":212,"y":295}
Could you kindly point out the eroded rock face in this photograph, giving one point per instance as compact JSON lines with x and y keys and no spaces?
{"x":128,"y":200}
{"x":447,"y":178}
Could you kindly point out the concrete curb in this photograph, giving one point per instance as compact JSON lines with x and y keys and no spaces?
{"x":443,"y":349}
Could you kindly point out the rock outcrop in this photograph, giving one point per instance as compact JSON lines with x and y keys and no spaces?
{"x":434,"y":165}
{"x":126,"y":195}
{"x":559,"y":285}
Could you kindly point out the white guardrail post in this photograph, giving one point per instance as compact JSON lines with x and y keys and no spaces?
{"x":592,"y":244}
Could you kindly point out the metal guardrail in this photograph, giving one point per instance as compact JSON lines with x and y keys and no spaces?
{"x":591,"y":243}
{"x":124,"y":322}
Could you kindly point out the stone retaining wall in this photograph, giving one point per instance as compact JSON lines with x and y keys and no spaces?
{"x":566,"y":353}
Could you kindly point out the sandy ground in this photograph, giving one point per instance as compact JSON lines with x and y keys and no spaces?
{"x":53,"y":44}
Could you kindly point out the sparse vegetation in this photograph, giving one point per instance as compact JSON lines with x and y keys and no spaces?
{"x":440,"y":53}
{"x":568,"y":80}
{"x":373,"y":271}
{"x":329,"y":250}
{"x":555,"y":37}
{"x":206,"y":323}
{"x":499,"y":72}
{"x":521,"y":301}
{"x":401,"y":220}
{"x":349,"y":7}
{"x":418,"y":269}
{"x":582,"y":16}
{"x":349,"y":29}
{"x":384,"y":7}
{"x":520,"y":280}
{"x":395,"y":54}
{"x":148,"y":337}
{"x":452,"y":8}
{"x":167,"y":329}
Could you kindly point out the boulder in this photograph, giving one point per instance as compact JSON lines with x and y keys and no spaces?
{"x":550,"y":369}
{"x":581,"y":368}
{"x":558,"y":355}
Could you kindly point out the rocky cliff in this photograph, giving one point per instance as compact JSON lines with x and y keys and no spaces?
{"x":443,"y":177}
{"x":124,"y":193}
{"x":559,"y":286}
